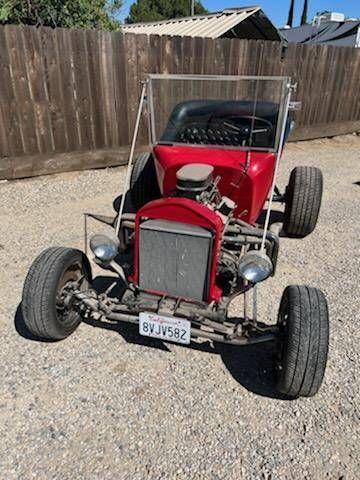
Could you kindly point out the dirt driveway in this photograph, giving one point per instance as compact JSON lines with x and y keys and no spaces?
{"x":106,"y":404}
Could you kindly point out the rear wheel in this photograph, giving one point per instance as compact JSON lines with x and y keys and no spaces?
{"x":143,"y":182}
{"x":304,"y":328}
{"x":45,"y":312}
{"x":303,"y":201}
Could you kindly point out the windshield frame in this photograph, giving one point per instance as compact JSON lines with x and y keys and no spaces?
{"x":280,"y":124}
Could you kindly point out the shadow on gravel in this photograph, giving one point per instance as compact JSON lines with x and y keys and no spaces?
{"x":251,"y":366}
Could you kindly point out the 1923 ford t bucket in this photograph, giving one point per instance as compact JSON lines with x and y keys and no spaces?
{"x":193,"y":240}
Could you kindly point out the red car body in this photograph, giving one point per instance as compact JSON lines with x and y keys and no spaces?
{"x":245,"y":176}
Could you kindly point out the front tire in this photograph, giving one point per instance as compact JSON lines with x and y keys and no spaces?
{"x":303,"y":201}
{"x":43,"y":313}
{"x":304,"y":326}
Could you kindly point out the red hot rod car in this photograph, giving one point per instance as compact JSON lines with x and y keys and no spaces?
{"x":198,"y":233}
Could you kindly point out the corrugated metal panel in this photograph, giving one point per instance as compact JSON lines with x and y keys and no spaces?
{"x":211,"y":26}
{"x":330,"y":33}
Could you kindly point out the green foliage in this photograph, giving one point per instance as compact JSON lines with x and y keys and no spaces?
{"x":154,"y":10}
{"x":62,"y":13}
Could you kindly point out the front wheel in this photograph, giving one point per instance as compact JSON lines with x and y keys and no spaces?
{"x":304,"y":334}
{"x":46,"y":313}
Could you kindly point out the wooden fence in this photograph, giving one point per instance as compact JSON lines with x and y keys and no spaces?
{"x":68,"y":98}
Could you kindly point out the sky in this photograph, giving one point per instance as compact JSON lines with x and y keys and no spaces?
{"x":277,"y":10}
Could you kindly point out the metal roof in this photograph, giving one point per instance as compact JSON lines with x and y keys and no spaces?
{"x":344,"y":34}
{"x":212,"y":25}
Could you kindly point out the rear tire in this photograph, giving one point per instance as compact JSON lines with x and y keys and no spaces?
{"x":43,"y":314}
{"x":303,"y":201}
{"x":304,"y":326}
{"x":143,"y":182}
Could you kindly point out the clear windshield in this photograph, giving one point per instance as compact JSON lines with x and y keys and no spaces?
{"x":227,"y":111}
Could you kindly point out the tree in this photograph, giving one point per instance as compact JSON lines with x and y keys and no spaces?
{"x":304,"y":13}
{"x":62,"y":13}
{"x":154,"y":10}
{"x":291,"y":14}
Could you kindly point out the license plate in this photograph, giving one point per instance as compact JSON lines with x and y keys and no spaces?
{"x":165,"y":328}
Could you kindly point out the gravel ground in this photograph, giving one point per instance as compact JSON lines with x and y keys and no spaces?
{"x":107,"y":404}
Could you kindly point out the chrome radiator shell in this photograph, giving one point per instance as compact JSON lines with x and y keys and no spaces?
{"x":174,"y":258}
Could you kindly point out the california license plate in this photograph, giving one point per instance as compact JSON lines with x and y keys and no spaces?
{"x":165,"y":328}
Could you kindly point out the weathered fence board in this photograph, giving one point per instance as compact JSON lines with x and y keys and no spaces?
{"x":64,"y":91}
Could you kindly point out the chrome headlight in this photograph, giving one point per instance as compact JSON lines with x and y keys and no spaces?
{"x":104,"y":247}
{"x":255,"y":266}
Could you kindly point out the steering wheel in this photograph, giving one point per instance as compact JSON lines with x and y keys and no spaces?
{"x":253,"y":119}
{"x":251,"y":127}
